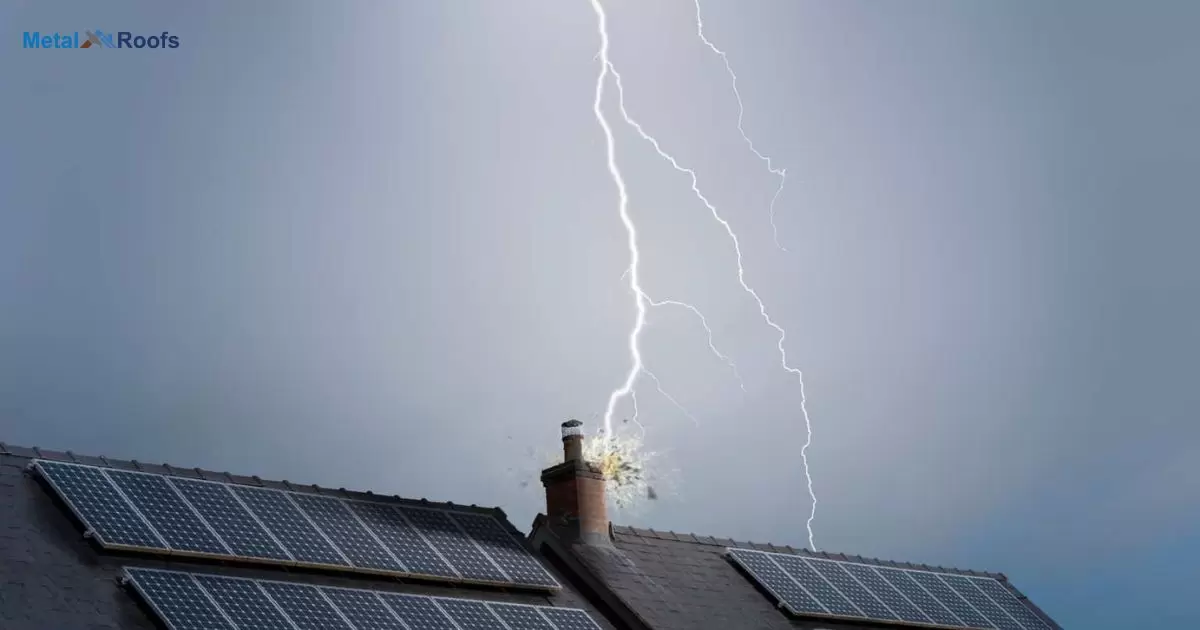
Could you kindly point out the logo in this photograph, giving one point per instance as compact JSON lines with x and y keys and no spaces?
{"x":99,"y":39}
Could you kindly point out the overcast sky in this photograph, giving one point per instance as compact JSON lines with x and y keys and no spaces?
{"x":375,"y":245}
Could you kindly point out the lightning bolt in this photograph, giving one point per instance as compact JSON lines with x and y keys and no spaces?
{"x":642,"y":301}
{"x":662,"y":392}
{"x":781,"y":173}
{"x":711,"y":346}
{"x":633,"y":271}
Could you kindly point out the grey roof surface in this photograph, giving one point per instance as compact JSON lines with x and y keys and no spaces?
{"x":52,"y":578}
{"x":675,"y":581}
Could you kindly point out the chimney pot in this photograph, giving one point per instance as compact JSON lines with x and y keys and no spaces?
{"x":572,"y":437}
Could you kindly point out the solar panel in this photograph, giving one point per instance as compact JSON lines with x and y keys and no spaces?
{"x":418,"y":612}
{"x":895,"y":600}
{"x":242,"y":534}
{"x":1009,"y":603}
{"x":289,"y":526}
{"x":450,"y":542}
{"x":824,"y":587}
{"x":782,"y":587}
{"x":246,"y":605}
{"x":919,"y":596}
{"x":981,"y":603}
{"x":167,"y":512}
{"x":401,"y":539}
{"x":219,"y":602}
{"x":178,"y":600}
{"x":98,"y":503}
{"x":569,"y":618}
{"x":497,"y":542}
{"x":960,"y":607}
{"x":305,"y":606}
{"x":518,"y":617}
{"x":346,"y":532}
{"x":151,"y":512}
{"x":820,"y":588}
{"x":863,"y":599}
{"x":470,"y":615}
{"x":363,"y":609}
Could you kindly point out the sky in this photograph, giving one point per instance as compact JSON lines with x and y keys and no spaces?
{"x":375,"y":245}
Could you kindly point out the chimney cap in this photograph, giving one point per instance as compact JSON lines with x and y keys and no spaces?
{"x":572,"y":428}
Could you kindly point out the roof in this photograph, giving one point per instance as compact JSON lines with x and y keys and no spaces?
{"x":669,"y":581}
{"x":51,"y":577}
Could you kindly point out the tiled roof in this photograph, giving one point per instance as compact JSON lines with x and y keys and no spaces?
{"x":672,"y":581}
{"x":51,"y":577}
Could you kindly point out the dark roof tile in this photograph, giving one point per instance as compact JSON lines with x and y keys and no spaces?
{"x":685,"y":582}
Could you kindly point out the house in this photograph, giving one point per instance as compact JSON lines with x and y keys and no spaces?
{"x":93,"y":543}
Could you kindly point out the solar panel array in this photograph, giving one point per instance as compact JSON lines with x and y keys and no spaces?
{"x":196,"y":601}
{"x":166,"y":514}
{"x":833,"y":588}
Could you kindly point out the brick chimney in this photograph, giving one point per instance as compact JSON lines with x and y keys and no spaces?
{"x":575,"y":502}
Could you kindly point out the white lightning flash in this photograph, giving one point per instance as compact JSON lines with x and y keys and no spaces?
{"x":642,"y":300}
{"x":781,"y":173}
{"x":635,"y":283}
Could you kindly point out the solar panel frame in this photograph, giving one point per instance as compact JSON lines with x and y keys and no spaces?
{"x":430,"y":612}
{"x":406,"y":542}
{"x":516,"y":616}
{"x":237,"y":535}
{"x":225,"y":601}
{"x":511,"y":557}
{"x":786,"y":590}
{"x":305,"y":597}
{"x":456,"y":548}
{"x":94,"y":528}
{"x":297,"y":528}
{"x":935,"y":586}
{"x":981,"y":602}
{"x":927,"y":603}
{"x":355,"y":613}
{"x":821,"y":589}
{"x":896,"y":600}
{"x":143,"y":589}
{"x":569,"y":618}
{"x":348,"y":533}
{"x":1008,"y":602}
{"x":852,"y":589}
{"x":171,"y":521}
{"x":470,"y":614}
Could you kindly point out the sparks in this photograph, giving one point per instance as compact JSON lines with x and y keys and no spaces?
{"x":781,"y":173}
{"x":642,"y":301}
{"x":626,"y":465}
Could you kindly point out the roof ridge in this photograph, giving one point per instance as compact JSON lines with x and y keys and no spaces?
{"x":713,"y":541}
{"x":101,"y":461}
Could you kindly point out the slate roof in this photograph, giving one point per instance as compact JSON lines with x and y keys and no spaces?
{"x":668,"y":581}
{"x":51,"y":578}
